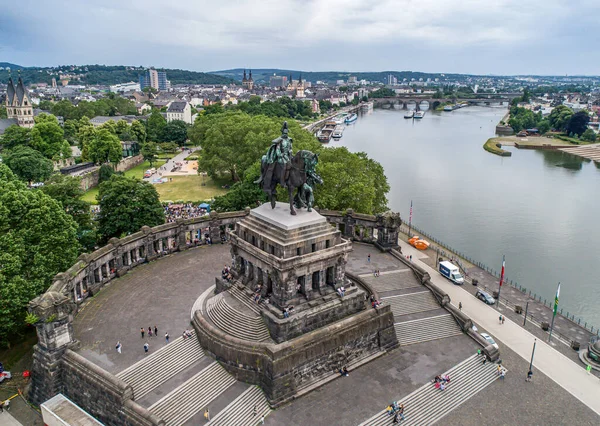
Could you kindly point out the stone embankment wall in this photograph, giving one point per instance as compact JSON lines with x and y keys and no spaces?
{"x":57,"y":369}
{"x":92,"y":178}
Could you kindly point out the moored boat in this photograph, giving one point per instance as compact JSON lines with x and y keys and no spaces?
{"x":449,"y":108}
{"x":338,"y":132}
{"x":419,"y":114}
{"x":351,"y":118}
{"x":409,"y":114}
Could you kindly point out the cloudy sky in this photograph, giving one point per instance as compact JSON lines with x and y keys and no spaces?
{"x":465,"y":36}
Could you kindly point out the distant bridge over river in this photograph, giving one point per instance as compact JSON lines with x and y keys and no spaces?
{"x":415,"y":101}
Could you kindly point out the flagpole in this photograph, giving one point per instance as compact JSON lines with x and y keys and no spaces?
{"x":410,"y":219}
{"x":555,"y":309}
{"x":500,"y":286}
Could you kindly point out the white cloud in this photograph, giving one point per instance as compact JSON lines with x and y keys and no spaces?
{"x":280,"y":30}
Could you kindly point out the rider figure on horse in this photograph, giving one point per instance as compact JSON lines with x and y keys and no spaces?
{"x":280,"y":151}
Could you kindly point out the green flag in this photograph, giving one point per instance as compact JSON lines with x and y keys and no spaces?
{"x":556,"y":299}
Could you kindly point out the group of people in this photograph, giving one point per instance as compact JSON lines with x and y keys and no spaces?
{"x":376,"y":273}
{"x":287,"y":310}
{"x":226,"y":274}
{"x":374,"y":302}
{"x":341,"y":291}
{"x":440,"y":382}
{"x":173,"y":212}
{"x":150,"y":334}
{"x":396,"y":410}
{"x":187,"y":334}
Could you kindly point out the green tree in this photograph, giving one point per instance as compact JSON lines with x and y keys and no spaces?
{"x":122,"y":130}
{"x":3,"y":113}
{"x":578,"y":123}
{"x":168,"y":147}
{"x":233,"y":141}
{"x":589,"y":136}
{"x":28,"y":164}
{"x":103,"y":147}
{"x":66,"y":110}
{"x":150,"y":152}
{"x":48,"y":137}
{"x":37,"y":241}
{"x":127,"y":204}
{"x":155,"y":125}
{"x":242,"y":194}
{"x":46,"y":105}
{"x":15,"y":136}
{"x":138,"y":131}
{"x":71,"y":128}
{"x":351,"y":181}
{"x":384,"y":92}
{"x":175,"y":131}
{"x":67,"y":191}
{"x":105,"y":172}
{"x":559,"y":117}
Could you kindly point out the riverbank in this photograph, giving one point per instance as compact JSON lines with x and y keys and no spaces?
{"x":494,"y":145}
{"x":570,"y":334}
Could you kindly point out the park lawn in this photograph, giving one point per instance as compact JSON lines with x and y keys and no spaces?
{"x":189,"y":188}
{"x":90,"y":195}
{"x":138,"y":171}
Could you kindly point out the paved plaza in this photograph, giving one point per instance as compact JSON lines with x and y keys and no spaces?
{"x":159,"y":293}
{"x":162,"y":293}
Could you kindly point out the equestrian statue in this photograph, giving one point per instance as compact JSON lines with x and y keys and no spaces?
{"x":280,"y":166}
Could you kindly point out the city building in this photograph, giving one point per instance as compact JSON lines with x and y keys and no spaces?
{"x":392,"y":80}
{"x":155,"y":79}
{"x":179,"y":110}
{"x":18,"y":105}
{"x":248,"y":83}
{"x":125,"y":87}
{"x":278,"y":81}
{"x":352,"y":79}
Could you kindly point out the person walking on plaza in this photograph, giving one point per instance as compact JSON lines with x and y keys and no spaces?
{"x":146,"y":347}
{"x":149,"y":331}
{"x":167,"y":337}
{"x":369,"y":258}
{"x":155,"y":331}
{"x":529,"y":376}
{"x":142,"y":331}
{"x":118,"y":347}
{"x":500,"y":319}
{"x":207,"y":414}
{"x":460,"y":306}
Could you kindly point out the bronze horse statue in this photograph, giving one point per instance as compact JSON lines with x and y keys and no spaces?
{"x":296,"y":174}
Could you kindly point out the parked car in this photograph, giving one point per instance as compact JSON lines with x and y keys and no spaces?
{"x":489,"y":339}
{"x":482,"y":295}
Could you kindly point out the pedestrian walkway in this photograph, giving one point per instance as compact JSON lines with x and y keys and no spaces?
{"x":154,"y":370}
{"x":241,"y":411}
{"x":7,"y":420}
{"x":193,"y":396}
{"x":427,"y":405}
{"x":548,"y":360}
{"x":426,"y":329}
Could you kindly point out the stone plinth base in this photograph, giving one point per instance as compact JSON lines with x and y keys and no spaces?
{"x":313,"y":314}
{"x":291,"y":368}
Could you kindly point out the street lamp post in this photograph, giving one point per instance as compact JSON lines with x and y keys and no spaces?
{"x":532,"y":353}
{"x":525,"y":319}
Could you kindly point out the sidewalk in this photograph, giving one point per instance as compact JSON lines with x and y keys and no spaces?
{"x":7,"y":420}
{"x":555,"y":365}
{"x":565,"y":330}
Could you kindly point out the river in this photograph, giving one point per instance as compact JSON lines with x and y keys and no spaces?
{"x":538,"y":208}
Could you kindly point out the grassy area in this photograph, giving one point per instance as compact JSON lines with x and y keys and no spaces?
{"x":18,"y":349}
{"x":492,"y":145}
{"x":573,"y":141}
{"x":90,"y":195}
{"x":189,"y":188}
{"x":138,"y":171}
{"x":166,"y":155}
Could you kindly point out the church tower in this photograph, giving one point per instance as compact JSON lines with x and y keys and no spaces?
{"x":300,"y":88}
{"x":18,"y":105}
{"x":248,"y":83}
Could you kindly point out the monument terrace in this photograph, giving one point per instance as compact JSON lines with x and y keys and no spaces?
{"x":303,"y":316}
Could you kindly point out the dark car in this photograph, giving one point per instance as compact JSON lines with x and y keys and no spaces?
{"x":482,"y":295}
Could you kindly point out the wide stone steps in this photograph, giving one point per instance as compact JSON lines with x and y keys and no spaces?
{"x":427,"y":405}
{"x":158,"y":367}
{"x":399,"y":279}
{"x":426,"y":329}
{"x":241,"y":411}
{"x":235,"y":323}
{"x":183,"y":403}
{"x":411,"y":303}
{"x":245,"y":299}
